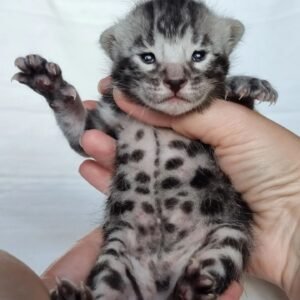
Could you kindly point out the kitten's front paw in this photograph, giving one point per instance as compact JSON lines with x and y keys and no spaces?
{"x":241,"y":87}
{"x":65,"y":290}
{"x":46,"y":79}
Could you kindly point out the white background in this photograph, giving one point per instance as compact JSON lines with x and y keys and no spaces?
{"x":44,"y":204}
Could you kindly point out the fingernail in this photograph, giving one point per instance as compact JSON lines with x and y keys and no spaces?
{"x":80,"y":140}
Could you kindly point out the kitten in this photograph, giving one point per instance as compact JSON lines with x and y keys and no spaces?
{"x":175,"y":228}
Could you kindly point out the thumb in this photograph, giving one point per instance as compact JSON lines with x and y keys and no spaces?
{"x":77,"y":263}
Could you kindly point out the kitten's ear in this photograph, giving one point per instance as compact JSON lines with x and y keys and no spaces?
{"x":108,"y":41}
{"x":234,"y":32}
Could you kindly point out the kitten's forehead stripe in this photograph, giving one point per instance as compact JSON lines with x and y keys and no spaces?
{"x":139,"y":42}
{"x":150,"y":16}
{"x":174,"y":17}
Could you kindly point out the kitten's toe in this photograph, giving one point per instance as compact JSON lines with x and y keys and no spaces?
{"x":53,"y":69}
{"x":30,"y":63}
{"x":267,"y":92}
{"x":243,"y":87}
{"x":65,"y":290}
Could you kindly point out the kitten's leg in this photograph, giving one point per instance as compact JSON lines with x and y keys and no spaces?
{"x":245,"y":90}
{"x":215,"y":265}
{"x":113,"y":277}
{"x":46,"y":79}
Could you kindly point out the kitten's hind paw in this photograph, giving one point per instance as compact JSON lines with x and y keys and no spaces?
{"x":196,"y":286}
{"x":241,"y":87}
{"x":65,"y":290}
{"x":46,"y":79}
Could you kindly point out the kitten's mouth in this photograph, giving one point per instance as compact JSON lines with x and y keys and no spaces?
{"x":174,"y":100}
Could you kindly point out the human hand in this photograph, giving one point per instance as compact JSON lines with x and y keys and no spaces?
{"x":260,"y":157}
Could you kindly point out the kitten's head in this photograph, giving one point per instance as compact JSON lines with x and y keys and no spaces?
{"x":171,"y":55}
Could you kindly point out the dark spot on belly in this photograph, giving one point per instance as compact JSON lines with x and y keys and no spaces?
{"x":170,"y":183}
{"x":148,"y":208}
{"x":156,"y":162}
{"x":182,"y":234}
{"x":139,"y":135}
{"x":137,"y":155}
{"x":170,"y":228}
{"x":187,"y":207}
{"x":201,"y":178}
{"x":177,"y":144}
{"x":142,"y":177}
{"x":194,"y":148}
{"x":123,"y":159}
{"x":121,"y":183}
{"x":183,"y":194}
{"x":142,"y":190}
{"x":142,"y":230}
{"x":170,"y":203}
{"x":174,"y":163}
{"x":119,"y":207}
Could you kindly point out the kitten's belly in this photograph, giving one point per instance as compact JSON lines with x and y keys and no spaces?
{"x":165,"y":187}
{"x":165,"y":180}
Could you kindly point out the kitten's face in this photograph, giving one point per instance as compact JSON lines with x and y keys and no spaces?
{"x":171,"y":56}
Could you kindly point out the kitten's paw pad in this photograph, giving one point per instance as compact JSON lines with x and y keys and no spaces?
{"x":45,"y":78}
{"x":247,"y":87}
{"x":65,"y":290}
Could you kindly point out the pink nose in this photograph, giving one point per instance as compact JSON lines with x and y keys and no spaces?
{"x":175,"y":85}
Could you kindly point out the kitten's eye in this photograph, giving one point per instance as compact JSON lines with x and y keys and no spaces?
{"x":199,"y":56}
{"x":148,"y":58}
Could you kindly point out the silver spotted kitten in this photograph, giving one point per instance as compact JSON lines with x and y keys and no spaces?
{"x":175,"y":228}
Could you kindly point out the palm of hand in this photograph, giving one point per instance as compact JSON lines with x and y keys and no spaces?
{"x":264,"y":171}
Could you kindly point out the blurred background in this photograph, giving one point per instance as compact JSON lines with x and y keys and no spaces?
{"x":45,"y":206}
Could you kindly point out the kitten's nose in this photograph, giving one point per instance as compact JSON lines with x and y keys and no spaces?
{"x":175,"y":85}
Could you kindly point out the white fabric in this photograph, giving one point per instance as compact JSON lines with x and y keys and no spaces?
{"x":44,"y":204}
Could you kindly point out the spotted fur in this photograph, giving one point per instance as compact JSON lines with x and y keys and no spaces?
{"x":175,"y":228}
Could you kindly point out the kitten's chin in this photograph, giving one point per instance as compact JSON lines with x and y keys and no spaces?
{"x":174,"y":106}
